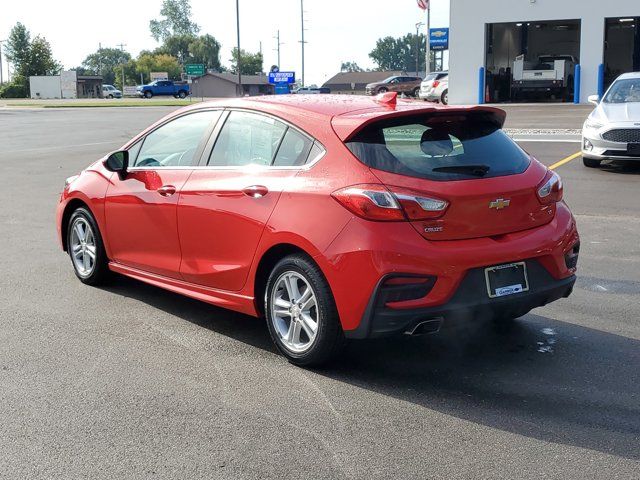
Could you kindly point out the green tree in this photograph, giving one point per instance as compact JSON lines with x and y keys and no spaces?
{"x":176,"y":20}
{"x":145,"y":64}
{"x":350,"y":67}
{"x":176,"y":46}
{"x":29,"y":57}
{"x":250,"y":63}
{"x":106,"y":62}
{"x":41,"y":61}
{"x":17,"y":48}
{"x":206,"y":50}
{"x":400,"y":53}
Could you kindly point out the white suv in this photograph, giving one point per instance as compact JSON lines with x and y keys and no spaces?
{"x":435,"y":87}
{"x":109,"y":91}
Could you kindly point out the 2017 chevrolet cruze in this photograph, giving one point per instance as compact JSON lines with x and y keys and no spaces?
{"x":333,"y":217}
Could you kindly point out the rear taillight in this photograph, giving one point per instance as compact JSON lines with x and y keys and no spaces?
{"x":436,"y":83}
{"x":550,"y":190}
{"x":376,"y":202}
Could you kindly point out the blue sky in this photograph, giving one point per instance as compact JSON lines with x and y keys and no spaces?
{"x":336,"y":30}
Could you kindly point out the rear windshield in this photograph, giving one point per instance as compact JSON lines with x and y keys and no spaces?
{"x":440,"y":147}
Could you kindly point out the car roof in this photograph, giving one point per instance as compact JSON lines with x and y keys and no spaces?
{"x":345,"y":114}
{"x":626,"y":76}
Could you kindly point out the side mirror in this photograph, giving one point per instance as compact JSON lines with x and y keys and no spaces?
{"x":595,"y":99}
{"x":118,"y":162}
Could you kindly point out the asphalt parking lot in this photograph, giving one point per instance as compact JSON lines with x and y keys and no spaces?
{"x":129,"y":381}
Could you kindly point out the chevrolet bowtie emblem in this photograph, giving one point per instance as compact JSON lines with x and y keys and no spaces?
{"x":499,"y":203}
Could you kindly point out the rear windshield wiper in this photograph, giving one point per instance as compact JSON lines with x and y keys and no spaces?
{"x":476,"y":170}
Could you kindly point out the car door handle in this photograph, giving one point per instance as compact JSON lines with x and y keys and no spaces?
{"x":167,"y":190}
{"x":255,"y":191}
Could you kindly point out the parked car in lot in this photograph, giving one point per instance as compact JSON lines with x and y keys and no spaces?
{"x":612,"y":130}
{"x":429,"y":80}
{"x":109,"y":91}
{"x":437,"y":92}
{"x":332,"y":217}
{"x":398,"y":84}
{"x":163,"y":87}
{"x":311,"y":90}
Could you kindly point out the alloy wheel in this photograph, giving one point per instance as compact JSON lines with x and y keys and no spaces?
{"x":294,"y":312}
{"x":83,"y":247}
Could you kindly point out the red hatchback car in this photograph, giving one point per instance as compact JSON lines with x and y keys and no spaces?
{"x":333,"y":217}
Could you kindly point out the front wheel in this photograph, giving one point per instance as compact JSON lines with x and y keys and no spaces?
{"x":591,"y":162}
{"x":148,"y":94}
{"x":383,"y":90}
{"x":85,"y":247}
{"x":301,"y":313}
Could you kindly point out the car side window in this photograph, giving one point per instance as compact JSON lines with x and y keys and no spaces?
{"x":247,"y":139}
{"x":175,"y":143}
{"x":293,"y":150}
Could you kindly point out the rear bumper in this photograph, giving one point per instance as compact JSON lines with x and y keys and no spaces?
{"x":470,"y":303}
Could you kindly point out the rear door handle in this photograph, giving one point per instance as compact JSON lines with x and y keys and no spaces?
{"x":167,"y":190}
{"x":255,"y":191}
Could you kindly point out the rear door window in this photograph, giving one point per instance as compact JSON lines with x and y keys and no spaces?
{"x":247,"y":139}
{"x":293,"y":150}
{"x":440,"y":147}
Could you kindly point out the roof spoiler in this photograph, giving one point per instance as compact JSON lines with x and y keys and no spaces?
{"x":348,"y":125}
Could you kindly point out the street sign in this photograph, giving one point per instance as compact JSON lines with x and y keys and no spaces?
{"x":439,"y":38}
{"x":282,"y":77}
{"x":159,"y":76}
{"x":194,"y":69}
{"x":130,"y":91}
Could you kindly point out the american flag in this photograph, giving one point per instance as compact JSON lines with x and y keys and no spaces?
{"x":423,"y":4}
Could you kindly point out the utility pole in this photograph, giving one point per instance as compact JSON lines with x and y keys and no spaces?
{"x":418,"y":25}
{"x":1,"y":42}
{"x":100,"y":58}
{"x":302,"y":42}
{"x":428,"y":62}
{"x":239,"y":56}
{"x":277,"y":37}
{"x":122,"y":45}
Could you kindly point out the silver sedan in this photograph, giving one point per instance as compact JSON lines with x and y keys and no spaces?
{"x":612,"y":130}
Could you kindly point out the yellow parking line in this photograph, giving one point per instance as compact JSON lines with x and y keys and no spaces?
{"x":565,"y":160}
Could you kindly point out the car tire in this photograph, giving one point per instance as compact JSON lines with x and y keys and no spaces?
{"x":591,"y":162}
{"x":305,"y":337}
{"x":383,"y":90}
{"x":416,"y":92}
{"x":182,"y":94}
{"x":148,"y":94}
{"x":81,"y":245}
{"x":444,"y":98}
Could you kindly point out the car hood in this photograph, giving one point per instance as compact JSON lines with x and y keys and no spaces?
{"x":374,"y":84}
{"x":618,"y":112}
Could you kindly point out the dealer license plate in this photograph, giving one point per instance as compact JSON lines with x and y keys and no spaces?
{"x":509,"y":279}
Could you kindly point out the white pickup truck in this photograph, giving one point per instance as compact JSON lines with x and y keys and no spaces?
{"x":550,"y":74}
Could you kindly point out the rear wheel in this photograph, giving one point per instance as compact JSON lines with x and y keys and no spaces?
{"x":148,"y":94}
{"x":416,"y":91}
{"x":591,"y":162}
{"x":182,"y":94}
{"x":444,"y":98}
{"x":85,"y":247}
{"x":301,"y":312}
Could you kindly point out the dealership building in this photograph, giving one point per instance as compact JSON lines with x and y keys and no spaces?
{"x":490,"y":37}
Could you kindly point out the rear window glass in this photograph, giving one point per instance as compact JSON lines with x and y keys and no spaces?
{"x":440,"y":147}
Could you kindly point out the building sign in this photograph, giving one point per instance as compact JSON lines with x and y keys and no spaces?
{"x":439,"y":38}
{"x":159,"y":76}
{"x":130,"y":91}
{"x":194,"y":69}
{"x":282,"y":77}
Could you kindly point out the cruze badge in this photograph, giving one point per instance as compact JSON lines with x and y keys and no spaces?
{"x":499,"y":203}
